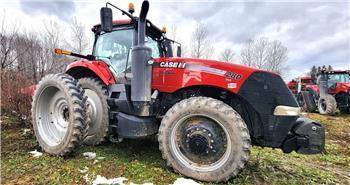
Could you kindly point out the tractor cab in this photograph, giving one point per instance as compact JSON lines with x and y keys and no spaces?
{"x":114,"y":46}
{"x":338,"y":80}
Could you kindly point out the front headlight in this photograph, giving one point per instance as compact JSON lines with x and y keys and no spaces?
{"x":282,"y":110}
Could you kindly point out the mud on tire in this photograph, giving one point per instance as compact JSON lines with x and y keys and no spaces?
{"x":205,"y":139}
{"x":97,"y":110}
{"x":58,"y":113}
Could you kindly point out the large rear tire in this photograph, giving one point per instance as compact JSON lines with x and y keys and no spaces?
{"x":205,"y":139}
{"x":58,"y":113}
{"x":307,"y":101}
{"x":97,"y":110}
{"x":327,"y":105}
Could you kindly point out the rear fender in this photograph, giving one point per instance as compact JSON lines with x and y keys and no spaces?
{"x":99,"y":69}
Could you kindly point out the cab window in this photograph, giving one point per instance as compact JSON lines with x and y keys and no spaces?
{"x":115,"y":46}
{"x":154,"y":46}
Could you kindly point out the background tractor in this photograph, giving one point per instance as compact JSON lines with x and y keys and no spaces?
{"x":305,"y":90}
{"x":331,"y":91}
{"x":206,"y":114}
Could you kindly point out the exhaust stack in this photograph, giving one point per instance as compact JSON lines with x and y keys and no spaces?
{"x":141,"y":70}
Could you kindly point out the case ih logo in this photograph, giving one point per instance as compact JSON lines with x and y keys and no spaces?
{"x":173,"y":64}
{"x":233,"y":75}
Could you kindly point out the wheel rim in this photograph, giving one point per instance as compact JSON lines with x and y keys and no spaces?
{"x":52,"y":115}
{"x":200,"y":142}
{"x":94,"y":110}
{"x":323,"y":105}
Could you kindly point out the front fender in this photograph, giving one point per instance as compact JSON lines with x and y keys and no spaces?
{"x":95,"y":68}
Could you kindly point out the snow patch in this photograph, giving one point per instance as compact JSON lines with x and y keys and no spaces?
{"x":35,"y":153}
{"x":25,"y":131}
{"x":89,"y":155}
{"x":103,"y":180}
{"x":182,"y":181}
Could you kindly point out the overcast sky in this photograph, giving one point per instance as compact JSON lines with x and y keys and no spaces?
{"x":315,"y":32}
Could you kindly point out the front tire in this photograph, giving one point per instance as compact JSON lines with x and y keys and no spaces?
{"x":58,"y":113}
{"x":97,"y":110}
{"x":327,"y":105}
{"x":205,"y":139}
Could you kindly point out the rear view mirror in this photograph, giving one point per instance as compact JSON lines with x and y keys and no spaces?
{"x":106,"y":19}
{"x":178,"y":53}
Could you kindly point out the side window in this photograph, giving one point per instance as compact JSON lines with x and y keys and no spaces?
{"x":114,"y":47}
{"x":332,"y":80}
{"x":154,"y":46}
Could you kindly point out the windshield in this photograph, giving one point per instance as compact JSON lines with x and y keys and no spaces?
{"x":307,"y":81}
{"x":335,"y":78}
{"x":114,"y":46}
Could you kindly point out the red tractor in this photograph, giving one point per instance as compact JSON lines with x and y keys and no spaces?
{"x":206,"y":114}
{"x":331,"y":92}
{"x":300,"y":87}
{"x":300,"y":84}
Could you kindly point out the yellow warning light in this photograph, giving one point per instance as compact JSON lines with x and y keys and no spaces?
{"x":131,"y":8}
{"x":61,"y":52}
{"x":164,"y":29}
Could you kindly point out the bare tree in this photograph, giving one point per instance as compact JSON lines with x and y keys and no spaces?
{"x":51,"y":39}
{"x":227,"y":55}
{"x":263,"y":54}
{"x":8,"y":38}
{"x":80,"y":40}
{"x":201,"y":46}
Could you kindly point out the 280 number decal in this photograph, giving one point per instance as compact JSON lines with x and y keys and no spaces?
{"x":234,"y":76}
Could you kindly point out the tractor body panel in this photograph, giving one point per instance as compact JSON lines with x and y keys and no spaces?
{"x":83,"y":68}
{"x":342,"y":87}
{"x":172,"y":74}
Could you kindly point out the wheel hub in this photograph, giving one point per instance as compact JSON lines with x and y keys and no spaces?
{"x":198,"y":144}
{"x":201,"y":141}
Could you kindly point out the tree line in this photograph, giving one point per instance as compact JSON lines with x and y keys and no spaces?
{"x":27,"y":56}
{"x":260,"y":53}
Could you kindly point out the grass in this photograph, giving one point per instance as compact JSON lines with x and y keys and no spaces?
{"x":140,"y":160}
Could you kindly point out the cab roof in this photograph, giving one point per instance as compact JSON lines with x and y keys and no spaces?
{"x":151,"y":29}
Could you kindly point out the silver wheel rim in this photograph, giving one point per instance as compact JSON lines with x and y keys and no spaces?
{"x":323,"y":105}
{"x":52,"y":115}
{"x":190,"y":164}
{"x":94,"y":110}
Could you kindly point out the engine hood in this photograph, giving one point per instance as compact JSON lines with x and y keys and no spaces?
{"x":345,"y":84}
{"x":209,"y":66}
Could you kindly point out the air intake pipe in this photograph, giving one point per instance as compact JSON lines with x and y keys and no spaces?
{"x":322,"y":82}
{"x":141,"y":70}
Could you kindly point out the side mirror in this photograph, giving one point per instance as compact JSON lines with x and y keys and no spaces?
{"x":178,"y":52}
{"x":106,"y":19}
